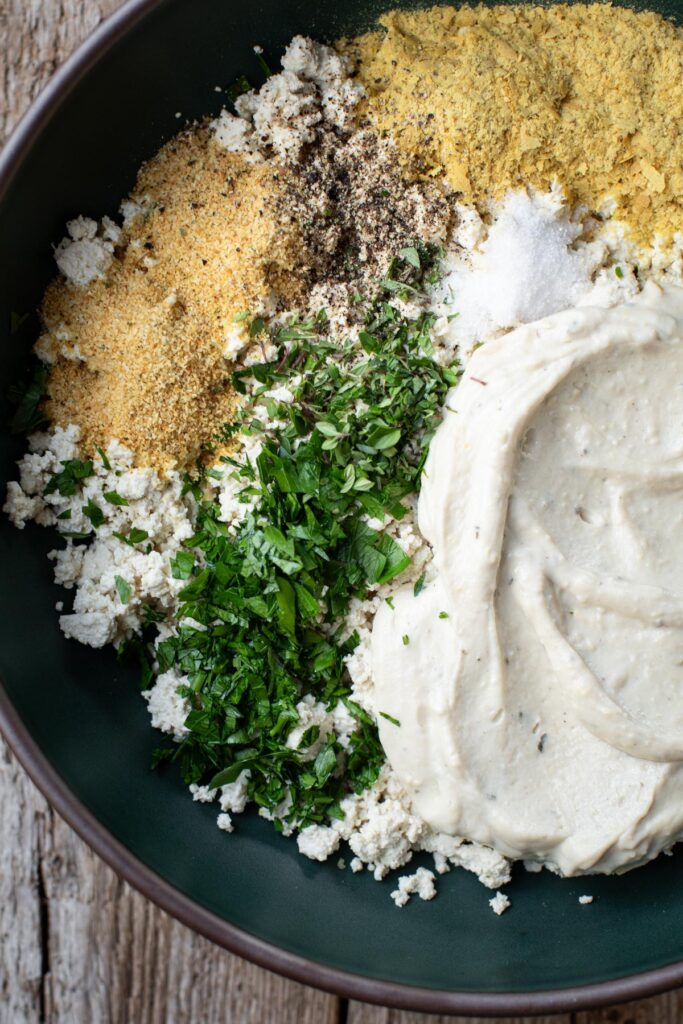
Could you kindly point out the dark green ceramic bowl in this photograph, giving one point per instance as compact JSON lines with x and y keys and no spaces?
{"x":75,"y":718}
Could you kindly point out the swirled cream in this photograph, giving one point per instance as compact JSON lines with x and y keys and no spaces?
{"x":538,"y":678}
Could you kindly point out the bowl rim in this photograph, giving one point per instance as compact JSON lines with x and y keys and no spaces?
{"x":122,"y":860}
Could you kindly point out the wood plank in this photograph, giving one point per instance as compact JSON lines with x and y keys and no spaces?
{"x":97,"y":952}
{"x":115,"y":957}
{"x":37,"y":35}
{"x":23,"y":818}
{"x":363,"y":1013}
{"x":666,"y":1009}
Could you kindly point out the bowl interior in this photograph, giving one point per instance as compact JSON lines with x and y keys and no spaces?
{"x":84,"y":710}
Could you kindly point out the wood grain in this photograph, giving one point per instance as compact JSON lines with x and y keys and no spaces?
{"x":361,"y":1013}
{"x":78,"y":945}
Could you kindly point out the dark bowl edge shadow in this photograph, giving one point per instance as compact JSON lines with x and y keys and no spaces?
{"x":138,"y":874}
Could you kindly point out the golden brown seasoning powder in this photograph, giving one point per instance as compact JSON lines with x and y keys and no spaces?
{"x":500,"y":97}
{"x":153,"y":334}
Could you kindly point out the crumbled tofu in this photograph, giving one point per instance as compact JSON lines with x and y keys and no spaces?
{"x":154,"y":505}
{"x":317,"y":842}
{"x":283,"y":116}
{"x":583,"y":900}
{"x":86,"y":252}
{"x":168,"y":709}
{"x":420,"y":884}
{"x":202,"y":794}
{"x":235,"y":797}
{"x":312,"y":714}
{"x":499,"y":903}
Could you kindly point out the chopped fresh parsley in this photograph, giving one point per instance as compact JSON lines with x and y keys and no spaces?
{"x":123,"y":589}
{"x":238,"y":88}
{"x":69,"y":478}
{"x":389,"y":718}
{"x":150,"y":615}
{"x":182,"y":565}
{"x":94,"y":513}
{"x":262,"y":62}
{"x":114,"y":498}
{"x":105,"y":461}
{"x":269,"y":597}
{"x":134,"y":537}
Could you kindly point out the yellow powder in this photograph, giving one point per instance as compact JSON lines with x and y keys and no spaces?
{"x":499,"y":97}
{"x":154,"y":333}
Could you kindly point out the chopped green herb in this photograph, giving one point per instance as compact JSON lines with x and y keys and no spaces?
{"x":150,"y":615}
{"x":619,"y":272}
{"x":266,"y":599}
{"x":443,"y":615}
{"x":262,"y":63}
{"x":390,"y":602}
{"x":406,"y":639}
{"x":410,"y":255}
{"x":105,"y":461}
{"x":66,"y":514}
{"x":70,"y":477}
{"x":114,"y":498}
{"x":389,"y":718}
{"x":182,"y":565}
{"x":256,"y":327}
{"x":419,"y":584}
{"x":94,"y":513}
{"x":123,"y":588}
{"x":238,"y":88}
{"x":134,"y":537}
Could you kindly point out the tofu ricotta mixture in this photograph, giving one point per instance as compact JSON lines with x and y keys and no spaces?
{"x":539,"y":693}
{"x":361,"y":432}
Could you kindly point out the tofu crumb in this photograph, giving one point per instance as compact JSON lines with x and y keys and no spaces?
{"x":420,"y":884}
{"x":356,"y":865}
{"x":585,"y":900}
{"x":341,"y":863}
{"x":499,"y":903}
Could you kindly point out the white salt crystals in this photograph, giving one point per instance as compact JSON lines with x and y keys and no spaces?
{"x":526,"y":267}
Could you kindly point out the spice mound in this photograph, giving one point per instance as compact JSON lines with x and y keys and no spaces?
{"x":589,"y":94}
{"x":141,"y":351}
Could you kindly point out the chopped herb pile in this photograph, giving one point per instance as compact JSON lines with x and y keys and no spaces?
{"x":269,"y":596}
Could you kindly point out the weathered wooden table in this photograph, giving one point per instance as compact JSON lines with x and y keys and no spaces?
{"x":77,"y":945}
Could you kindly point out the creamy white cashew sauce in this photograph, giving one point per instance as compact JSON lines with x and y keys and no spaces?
{"x":538,"y":679}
